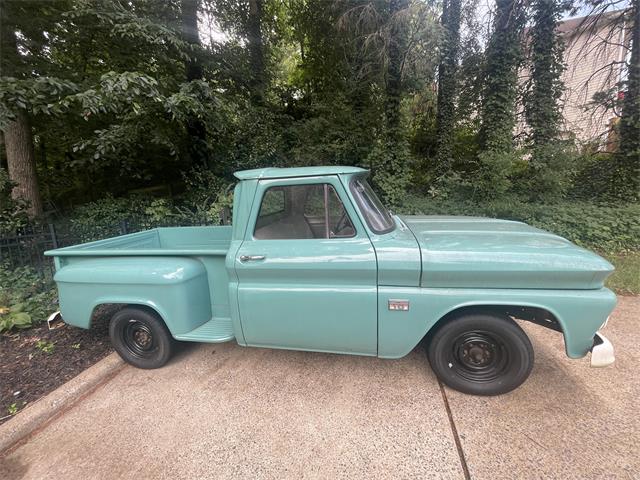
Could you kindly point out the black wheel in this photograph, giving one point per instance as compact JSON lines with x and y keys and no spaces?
{"x":141,"y":338}
{"x":481,"y":354}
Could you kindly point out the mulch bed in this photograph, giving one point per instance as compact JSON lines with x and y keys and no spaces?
{"x":28,"y":372}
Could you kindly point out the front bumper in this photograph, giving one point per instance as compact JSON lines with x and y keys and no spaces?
{"x":602,"y":351}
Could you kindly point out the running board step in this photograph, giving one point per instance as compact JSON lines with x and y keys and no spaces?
{"x":216,"y":330}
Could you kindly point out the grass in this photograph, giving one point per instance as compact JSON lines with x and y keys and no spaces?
{"x":626,"y":279}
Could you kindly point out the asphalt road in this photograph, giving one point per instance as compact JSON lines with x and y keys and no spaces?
{"x":224,"y":411}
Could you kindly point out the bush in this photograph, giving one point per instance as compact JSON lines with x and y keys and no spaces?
{"x":549,"y":173}
{"x":603,"y":177}
{"x":603,"y":228}
{"x":103,"y":218}
{"x":13,"y":213}
{"x":207,"y":195}
{"x":25,"y":298}
{"x":202,"y":204}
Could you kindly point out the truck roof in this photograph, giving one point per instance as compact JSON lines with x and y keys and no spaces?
{"x":274,"y":172}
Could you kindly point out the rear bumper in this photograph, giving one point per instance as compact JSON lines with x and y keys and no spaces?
{"x":602,"y":351}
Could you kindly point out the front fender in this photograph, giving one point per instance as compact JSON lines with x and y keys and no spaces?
{"x":579,"y":313}
{"x":175,"y":287}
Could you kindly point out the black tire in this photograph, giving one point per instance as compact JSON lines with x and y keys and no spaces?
{"x":481,"y":354}
{"x":141,"y":338}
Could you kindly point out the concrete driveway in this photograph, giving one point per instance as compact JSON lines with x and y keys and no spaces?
{"x":222,"y":411}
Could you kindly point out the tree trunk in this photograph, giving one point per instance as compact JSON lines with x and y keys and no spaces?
{"x":447,"y":86}
{"x":18,"y":139}
{"x":395,"y":54}
{"x":190,"y":35}
{"x":198,"y":151}
{"x":629,"y":154}
{"x":541,"y":103}
{"x":501,"y":78}
{"x":256,"y":48}
{"x":21,"y":163}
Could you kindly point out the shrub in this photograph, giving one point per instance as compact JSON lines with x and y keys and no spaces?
{"x":102,"y":218}
{"x":13,"y":213}
{"x":207,"y":195}
{"x":202,"y":204}
{"x":549,"y":172}
{"x":25,"y":298}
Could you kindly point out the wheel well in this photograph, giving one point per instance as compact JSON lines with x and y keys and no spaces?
{"x":539,"y":316}
{"x":104,"y":311}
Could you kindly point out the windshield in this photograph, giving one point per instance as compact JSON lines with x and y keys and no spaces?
{"x":377,"y":217}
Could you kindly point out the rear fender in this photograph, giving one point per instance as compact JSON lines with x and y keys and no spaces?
{"x":175,"y":288}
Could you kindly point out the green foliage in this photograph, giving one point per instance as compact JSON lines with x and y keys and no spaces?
{"x":25,"y":298}
{"x":504,"y":56}
{"x":13,"y":213}
{"x":39,"y":95}
{"x":604,"y":178}
{"x":206,"y":196}
{"x":494,"y":177}
{"x":541,"y":101}
{"x":549,"y":172}
{"x":626,"y":278}
{"x":390,"y":164}
{"x":45,"y":347}
{"x":14,"y":317}
{"x":599,"y":227}
{"x":109,"y":89}
{"x":627,"y":184}
{"x":447,"y":85}
{"x":102,"y":218}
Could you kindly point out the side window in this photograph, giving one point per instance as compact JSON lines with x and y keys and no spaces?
{"x":302,"y":212}
{"x":339,"y":222}
{"x":272,"y":202}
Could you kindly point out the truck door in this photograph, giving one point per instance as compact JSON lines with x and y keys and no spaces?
{"x":307,"y":270}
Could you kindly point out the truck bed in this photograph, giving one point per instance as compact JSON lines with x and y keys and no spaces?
{"x":158,"y":241}
{"x":179,"y":272}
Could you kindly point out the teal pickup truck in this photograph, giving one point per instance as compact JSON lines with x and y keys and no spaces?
{"x":315,"y":262}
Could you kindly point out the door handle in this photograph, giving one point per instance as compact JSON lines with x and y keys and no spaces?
{"x":251,"y":258}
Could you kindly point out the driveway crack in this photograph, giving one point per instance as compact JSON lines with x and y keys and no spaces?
{"x":454,"y":431}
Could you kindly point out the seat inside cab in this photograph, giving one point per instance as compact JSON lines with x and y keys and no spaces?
{"x":302,"y":212}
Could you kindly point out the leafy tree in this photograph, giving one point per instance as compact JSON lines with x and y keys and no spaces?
{"x":23,"y":43}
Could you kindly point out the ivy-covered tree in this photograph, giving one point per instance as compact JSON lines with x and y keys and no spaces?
{"x":549,"y":165}
{"x":498,"y":118}
{"x":542,"y":107}
{"x":447,"y":85}
{"x":503,"y":58}
{"x":628,"y":158}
